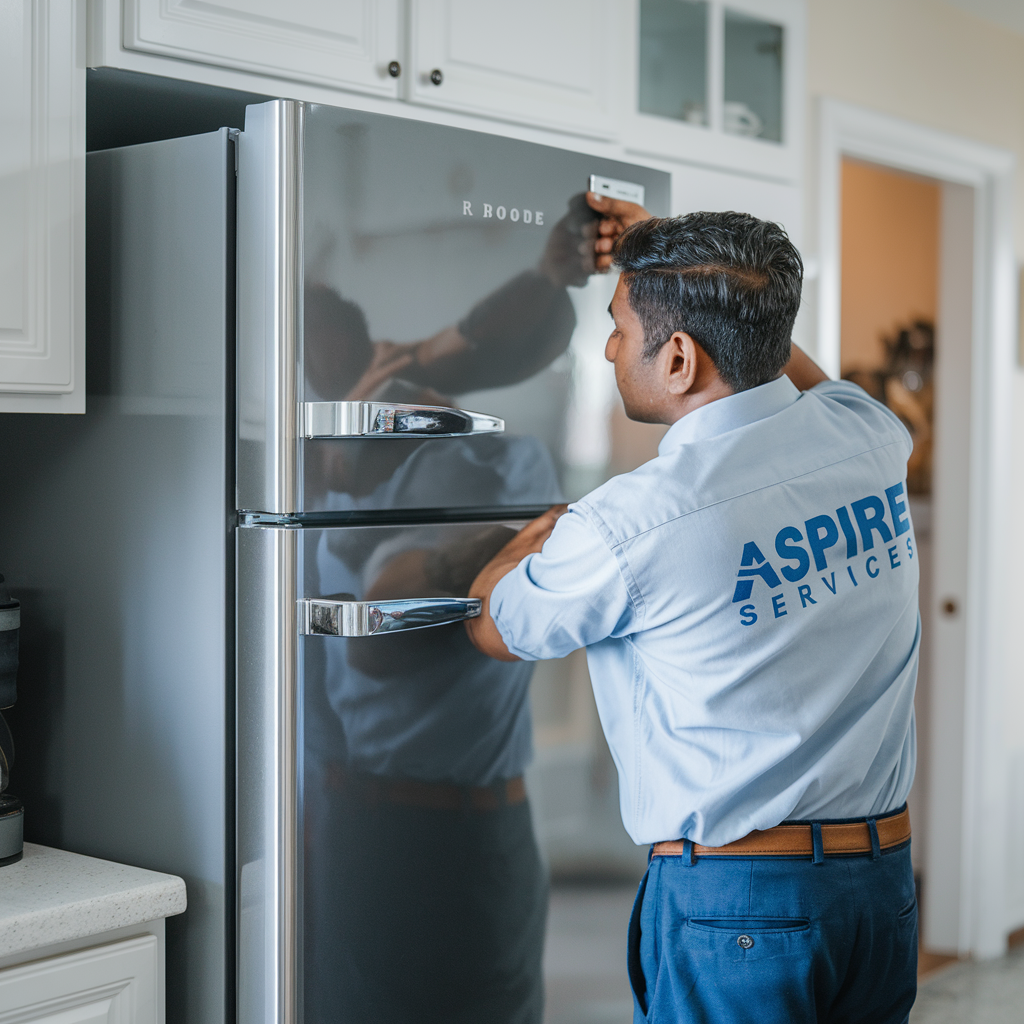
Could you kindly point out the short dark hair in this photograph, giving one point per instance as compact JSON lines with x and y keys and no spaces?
{"x":730,"y":281}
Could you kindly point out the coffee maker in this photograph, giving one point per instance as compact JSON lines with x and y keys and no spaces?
{"x":12,"y":814}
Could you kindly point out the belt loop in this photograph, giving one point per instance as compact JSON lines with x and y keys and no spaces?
{"x":819,"y":846}
{"x":876,"y":846}
{"x":688,"y":858}
{"x":650,"y":855}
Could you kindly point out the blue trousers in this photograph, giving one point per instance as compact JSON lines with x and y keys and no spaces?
{"x":726,"y":940}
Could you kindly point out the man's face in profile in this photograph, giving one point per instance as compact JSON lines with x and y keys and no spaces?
{"x":635,"y":376}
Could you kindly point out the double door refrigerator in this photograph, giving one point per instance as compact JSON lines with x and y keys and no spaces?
{"x":334,"y":361}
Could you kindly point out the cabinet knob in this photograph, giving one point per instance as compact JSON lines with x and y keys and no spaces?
{"x":394,"y":69}
{"x":950,"y":607}
{"x":437,"y":76}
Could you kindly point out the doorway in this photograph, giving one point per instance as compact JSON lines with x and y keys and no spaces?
{"x":961,"y":835}
{"x":905,"y":338}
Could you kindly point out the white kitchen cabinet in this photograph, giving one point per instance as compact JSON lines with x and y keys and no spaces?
{"x":717,"y":82}
{"x":111,"y":984}
{"x":714,"y":83}
{"x":535,"y":61}
{"x":82,"y":939}
{"x":347,"y":44}
{"x":42,"y":206}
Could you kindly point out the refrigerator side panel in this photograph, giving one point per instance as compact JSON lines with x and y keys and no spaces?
{"x":267,"y":765}
{"x":269,"y":306}
{"x":114,"y":534}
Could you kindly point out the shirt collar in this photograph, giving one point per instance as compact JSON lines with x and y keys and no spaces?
{"x":728,"y":413}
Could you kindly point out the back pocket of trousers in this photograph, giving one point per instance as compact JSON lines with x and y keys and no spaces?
{"x":725,"y":939}
{"x":742,"y":925}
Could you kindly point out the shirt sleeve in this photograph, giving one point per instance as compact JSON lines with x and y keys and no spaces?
{"x":853,"y":397}
{"x":568,"y":595}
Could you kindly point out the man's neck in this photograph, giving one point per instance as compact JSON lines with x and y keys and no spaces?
{"x":683,"y":405}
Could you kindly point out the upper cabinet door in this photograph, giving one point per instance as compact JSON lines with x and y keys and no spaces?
{"x":348,"y":44}
{"x":534,"y":61}
{"x":42,"y":206}
{"x":718,"y":82}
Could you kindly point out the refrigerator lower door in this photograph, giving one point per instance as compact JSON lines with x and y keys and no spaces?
{"x":387,"y":864}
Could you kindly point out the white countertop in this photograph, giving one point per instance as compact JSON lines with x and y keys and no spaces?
{"x":53,"y":896}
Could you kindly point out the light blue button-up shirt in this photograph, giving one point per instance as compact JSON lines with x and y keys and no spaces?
{"x":748,"y":601}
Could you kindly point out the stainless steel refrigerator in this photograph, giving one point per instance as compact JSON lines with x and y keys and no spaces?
{"x":334,"y":360}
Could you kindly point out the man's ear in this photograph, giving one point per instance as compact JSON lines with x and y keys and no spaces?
{"x":679,"y":356}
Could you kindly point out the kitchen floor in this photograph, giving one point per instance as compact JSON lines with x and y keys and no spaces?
{"x":990,"y":992}
{"x":586,"y":983}
{"x":585,"y":955}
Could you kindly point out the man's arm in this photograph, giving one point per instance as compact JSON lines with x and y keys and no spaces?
{"x":803,"y":371}
{"x":482,"y":631}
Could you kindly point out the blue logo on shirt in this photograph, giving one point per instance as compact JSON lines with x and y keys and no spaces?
{"x":820,"y":534}
{"x":752,"y":557}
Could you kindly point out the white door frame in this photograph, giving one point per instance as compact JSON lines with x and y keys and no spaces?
{"x":845,"y":130}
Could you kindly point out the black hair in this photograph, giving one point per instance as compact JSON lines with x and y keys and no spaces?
{"x":730,"y":281}
{"x":336,"y":341}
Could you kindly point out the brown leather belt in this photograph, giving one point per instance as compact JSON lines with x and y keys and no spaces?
{"x":798,"y":840}
{"x":434,"y":796}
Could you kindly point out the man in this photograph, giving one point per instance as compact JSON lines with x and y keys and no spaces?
{"x":748,"y":601}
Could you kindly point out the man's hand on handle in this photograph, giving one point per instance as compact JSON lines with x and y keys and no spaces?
{"x":482,"y":631}
{"x":616,"y":216}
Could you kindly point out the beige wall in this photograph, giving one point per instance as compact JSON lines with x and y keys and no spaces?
{"x":936,"y":65}
{"x":925,"y":61}
{"x":890,"y":258}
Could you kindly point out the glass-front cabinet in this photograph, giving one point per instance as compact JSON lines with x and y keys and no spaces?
{"x":720,"y":82}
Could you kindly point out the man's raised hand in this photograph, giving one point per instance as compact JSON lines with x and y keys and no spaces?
{"x":616,"y":216}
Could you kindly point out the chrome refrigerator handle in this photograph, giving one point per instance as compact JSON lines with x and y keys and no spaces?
{"x":323,"y":617}
{"x":383,"y":419}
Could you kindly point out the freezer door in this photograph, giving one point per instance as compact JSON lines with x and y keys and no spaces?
{"x":420,"y":326}
{"x":388,"y":868}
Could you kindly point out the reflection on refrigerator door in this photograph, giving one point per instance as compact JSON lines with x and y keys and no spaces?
{"x":460,"y":280}
{"x":424,"y":894}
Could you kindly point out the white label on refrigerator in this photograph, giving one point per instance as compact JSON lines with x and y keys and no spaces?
{"x":615,"y":189}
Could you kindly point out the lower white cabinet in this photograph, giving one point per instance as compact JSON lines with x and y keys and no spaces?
{"x":42,"y":206}
{"x":111,"y":984}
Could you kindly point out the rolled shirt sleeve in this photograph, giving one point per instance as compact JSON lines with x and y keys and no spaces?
{"x":569,"y":595}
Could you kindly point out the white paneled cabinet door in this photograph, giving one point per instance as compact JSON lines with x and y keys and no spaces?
{"x":534,"y":61}
{"x":114,"y":984}
{"x":346,"y":44}
{"x":42,"y":206}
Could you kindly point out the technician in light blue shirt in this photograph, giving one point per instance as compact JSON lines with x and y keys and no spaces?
{"x":748,"y":601}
